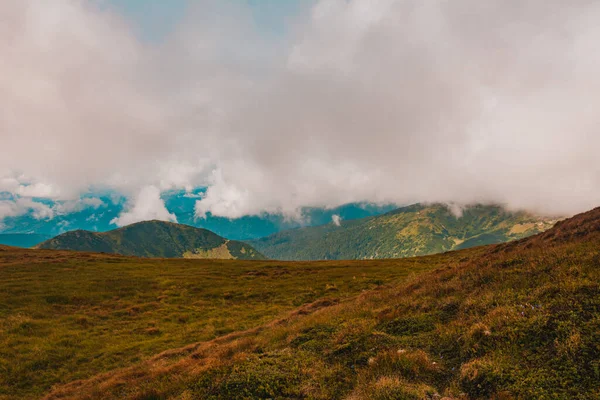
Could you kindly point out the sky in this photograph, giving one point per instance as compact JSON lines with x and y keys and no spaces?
{"x":153,"y":20}
{"x":273,"y":106}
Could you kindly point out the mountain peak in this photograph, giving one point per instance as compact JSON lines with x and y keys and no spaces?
{"x":155,"y":239}
{"x":151,"y":222}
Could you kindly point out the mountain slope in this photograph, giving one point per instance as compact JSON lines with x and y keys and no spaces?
{"x":409,"y":231}
{"x":68,"y":315}
{"x":155,"y":239}
{"x":519,"y":320}
{"x":22,"y":239}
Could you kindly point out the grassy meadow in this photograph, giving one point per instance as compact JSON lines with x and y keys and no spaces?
{"x":513,"y":321}
{"x":67,"y":315}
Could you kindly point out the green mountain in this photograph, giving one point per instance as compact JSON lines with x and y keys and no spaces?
{"x":22,"y":239}
{"x":155,"y":239}
{"x":406,"y":232}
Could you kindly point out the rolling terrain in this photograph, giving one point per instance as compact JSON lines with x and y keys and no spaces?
{"x":155,"y":239}
{"x":509,"y":321}
{"x":69,"y":315}
{"x":406,"y":232}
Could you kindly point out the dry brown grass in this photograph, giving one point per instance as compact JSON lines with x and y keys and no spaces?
{"x":184,"y":363}
{"x":511,"y":321}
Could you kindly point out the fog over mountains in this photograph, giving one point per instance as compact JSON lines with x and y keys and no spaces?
{"x":101,"y":213}
{"x":388,"y":101}
{"x":416,"y":230}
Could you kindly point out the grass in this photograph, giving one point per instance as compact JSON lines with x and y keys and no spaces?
{"x":66,"y":315}
{"x":514,"y":321}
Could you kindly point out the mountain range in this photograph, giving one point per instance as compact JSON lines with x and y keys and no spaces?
{"x":98,"y":212}
{"x":415,"y":230}
{"x":155,"y":239}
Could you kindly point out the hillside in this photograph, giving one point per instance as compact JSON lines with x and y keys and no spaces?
{"x":154,"y":239}
{"x":510,"y":321}
{"x":406,"y":232}
{"x":68,"y":315}
{"x":22,"y":239}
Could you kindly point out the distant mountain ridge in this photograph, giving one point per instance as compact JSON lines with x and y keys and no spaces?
{"x":106,"y":207}
{"x":155,"y":239}
{"x":415,"y":230}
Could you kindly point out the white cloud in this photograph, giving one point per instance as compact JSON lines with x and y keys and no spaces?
{"x":146,"y":205}
{"x":336,"y":219}
{"x":24,"y":187}
{"x":456,"y":209}
{"x":36,"y":190}
{"x":71,"y":206}
{"x":407,"y":101}
{"x":15,"y":207}
{"x":8,"y":209}
{"x":9,"y":184}
{"x":18,"y":207}
{"x":390,"y":101}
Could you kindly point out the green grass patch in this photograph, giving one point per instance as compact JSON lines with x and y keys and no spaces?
{"x":67,"y":315}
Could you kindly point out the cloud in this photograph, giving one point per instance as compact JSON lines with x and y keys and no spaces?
{"x":456,"y":209}
{"x":22,"y":186}
{"x":36,"y":190}
{"x":388,"y":101}
{"x":146,"y":205}
{"x":336,"y":219}
{"x":405,"y":101}
{"x":71,"y":206}
{"x":98,"y":117}
{"x":8,"y":209}
{"x":18,"y":207}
